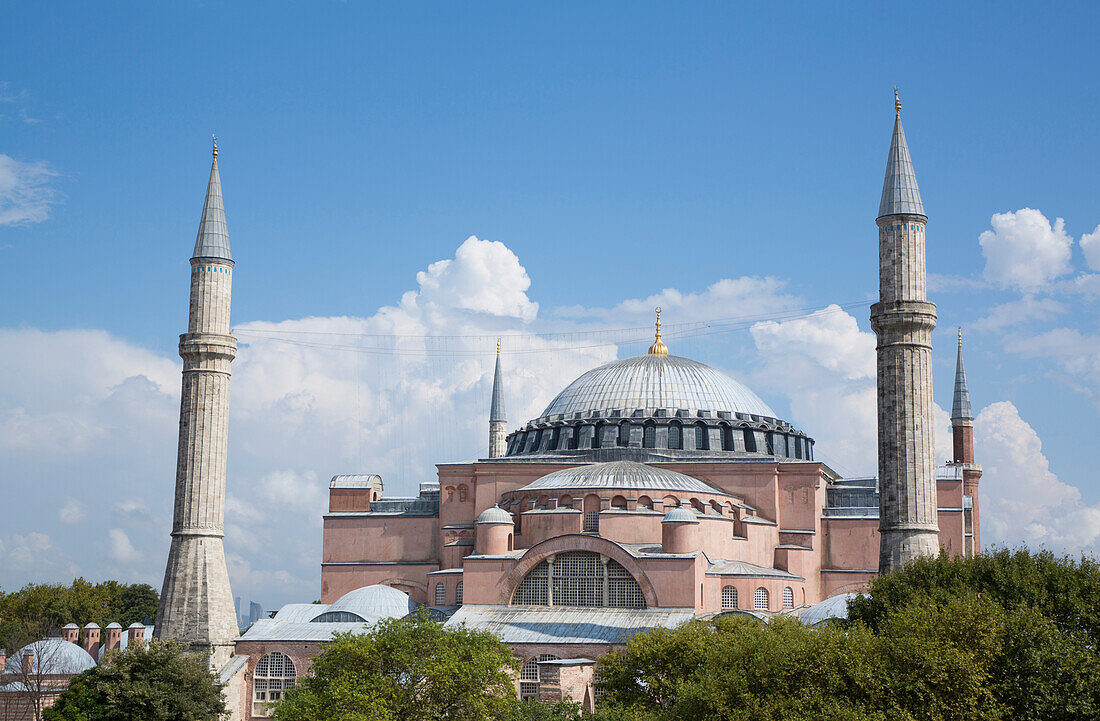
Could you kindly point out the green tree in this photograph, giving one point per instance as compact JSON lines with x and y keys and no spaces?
{"x":144,"y":682}
{"x":409,"y":669}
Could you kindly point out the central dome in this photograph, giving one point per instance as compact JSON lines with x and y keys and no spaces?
{"x":656,"y":381}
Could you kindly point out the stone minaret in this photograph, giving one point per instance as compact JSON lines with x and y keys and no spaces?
{"x":962,"y":433}
{"x":497,"y":420}
{"x":903,"y":321}
{"x":196,"y":604}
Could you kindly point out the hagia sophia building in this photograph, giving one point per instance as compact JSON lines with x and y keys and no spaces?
{"x":650,"y":491}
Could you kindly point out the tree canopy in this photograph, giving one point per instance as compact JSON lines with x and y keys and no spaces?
{"x":37,"y":609}
{"x":143,"y":682}
{"x":409,"y":669}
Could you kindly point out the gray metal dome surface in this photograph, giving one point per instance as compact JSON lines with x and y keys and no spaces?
{"x":680,"y":515}
{"x":621,"y":474}
{"x":372,"y":602}
{"x":495,"y":515}
{"x":656,"y":381}
{"x":51,"y":655}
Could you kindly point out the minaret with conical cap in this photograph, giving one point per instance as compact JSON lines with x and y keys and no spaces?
{"x":903,"y":320}
{"x":196,"y":603}
{"x":497,"y":419}
{"x":962,"y":434}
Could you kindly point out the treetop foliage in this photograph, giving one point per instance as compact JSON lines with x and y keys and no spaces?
{"x":155,"y":681}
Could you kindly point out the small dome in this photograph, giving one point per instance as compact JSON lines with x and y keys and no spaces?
{"x":114,"y":625}
{"x":496,"y":516}
{"x":623,"y":475}
{"x":135,"y":624}
{"x":91,"y":625}
{"x":371,"y":603}
{"x":69,"y":626}
{"x":51,"y":655}
{"x":656,"y":381}
{"x":680,"y":515}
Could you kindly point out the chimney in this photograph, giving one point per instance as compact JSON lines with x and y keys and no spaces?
{"x":91,"y":639}
{"x":135,"y":633}
{"x":70,"y":632}
{"x":28,"y":662}
{"x":3,"y":658}
{"x":114,"y":636}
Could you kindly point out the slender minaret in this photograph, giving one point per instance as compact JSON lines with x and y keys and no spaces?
{"x":903,"y":321}
{"x":962,"y":433}
{"x":497,"y":420}
{"x":196,"y":604}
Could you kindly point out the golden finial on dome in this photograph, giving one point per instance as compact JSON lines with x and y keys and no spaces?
{"x":897,"y":102}
{"x":215,"y":137}
{"x":960,"y":336}
{"x":498,"y":346}
{"x":658,"y":348}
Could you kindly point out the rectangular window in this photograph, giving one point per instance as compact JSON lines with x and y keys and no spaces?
{"x":592,"y":522}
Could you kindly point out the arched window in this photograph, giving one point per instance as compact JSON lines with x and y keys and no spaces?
{"x":596,"y":432}
{"x":649,"y":435}
{"x":675,"y":435}
{"x":788,"y":597}
{"x":458,"y":594}
{"x":624,"y":434}
{"x":591,"y":513}
{"x":339,"y":617}
{"x":750,"y":440}
{"x":274,"y":674}
{"x":701,"y":437}
{"x":579,"y":579}
{"x":760,"y":599}
{"x":555,"y":438}
{"x":672,"y":502}
{"x":529,"y":677}
{"x":537,"y":443}
{"x":440,"y":594}
{"x":727,"y":437}
{"x":729,"y":597}
{"x":645,"y":503}
{"x":565,"y":501}
{"x":574,"y":438}
{"x":619,"y":502}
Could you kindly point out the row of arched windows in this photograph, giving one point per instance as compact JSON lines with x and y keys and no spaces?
{"x":761,"y":599}
{"x":441,"y":594}
{"x":695,"y":436}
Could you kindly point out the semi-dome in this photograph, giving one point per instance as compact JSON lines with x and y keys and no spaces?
{"x":656,"y":381}
{"x":680,"y":515}
{"x":620,"y":475}
{"x":51,"y":655}
{"x":370,"y":603}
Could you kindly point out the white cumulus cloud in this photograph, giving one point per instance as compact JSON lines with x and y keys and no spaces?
{"x":1024,"y":251}
{"x":72,"y":512}
{"x":1090,"y":245}
{"x":120,"y":549}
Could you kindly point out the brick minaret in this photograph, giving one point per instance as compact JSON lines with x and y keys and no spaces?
{"x":962,"y":434}
{"x":903,"y":320}
{"x":497,"y":421}
{"x":196,"y":604}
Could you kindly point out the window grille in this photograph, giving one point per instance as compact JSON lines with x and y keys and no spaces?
{"x":760,"y":599}
{"x":579,"y":579}
{"x":729,"y":597}
{"x":596,"y":435}
{"x":649,"y":436}
{"x":750,"y":441}
{"x":727,"y":438}
{"x":675,"y":436}
{"x":788,"y":597}
{"x":597,"y":686}
{"x":274,"y":674}
{"x":555,"y":438}
{"x":458,"y":594}
{"x":592,"y":522}
{"x":339,"y":617}
{"x":624,"y":434}
{"x":440,"y":594}
{"x":700,"y":437}
{"x":530,"y":679}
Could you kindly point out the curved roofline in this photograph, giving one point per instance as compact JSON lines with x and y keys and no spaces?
{"x":657,"y":471}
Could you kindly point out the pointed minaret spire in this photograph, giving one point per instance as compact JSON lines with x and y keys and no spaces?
{"x":900,"y":195}
{"x":497,"y":419}
{"x":213,"y":238}
{"x":960,"y":406}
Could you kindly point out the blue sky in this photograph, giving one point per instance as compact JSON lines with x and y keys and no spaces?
{"x":616,"y":150}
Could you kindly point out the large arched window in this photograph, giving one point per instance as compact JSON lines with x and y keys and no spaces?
{"x":440,"y":594}
{"x":458,"y":594}
{"x":579,"y":578}
{"x":750,"y":440}
{"x":729,"y":597}
{"x":675,"y":435}
{"x":597,"y":431}
{"x":624,"y":434}
{"x":555,"y":438}
{"x":727,"y":437}
{"x":788,"y":597}
{"x":529,"y":677}
{"x":274,"y":674}
{"x":701,"y":437}
{"x":649,"y":435}
{"x":760,"y":599}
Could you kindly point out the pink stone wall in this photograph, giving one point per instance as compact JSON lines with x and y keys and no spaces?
{"x":379,"y":538}
{"x":412,"y":578}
